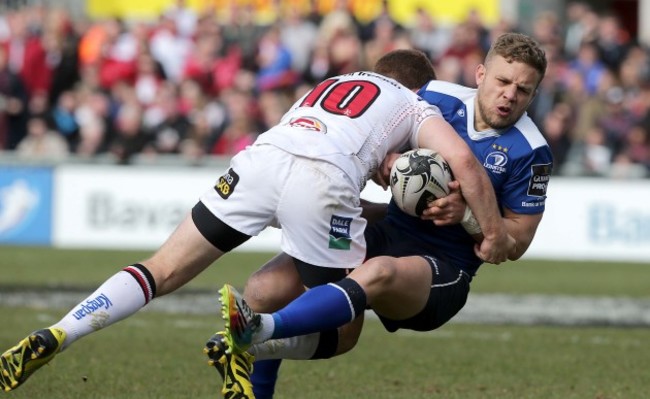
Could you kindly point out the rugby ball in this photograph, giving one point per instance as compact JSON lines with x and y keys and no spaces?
{"x":417,"y":178}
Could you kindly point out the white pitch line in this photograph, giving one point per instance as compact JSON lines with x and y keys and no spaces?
{"x":480,"y":308}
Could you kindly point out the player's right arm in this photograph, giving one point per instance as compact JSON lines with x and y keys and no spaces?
{"x":435,"y":133}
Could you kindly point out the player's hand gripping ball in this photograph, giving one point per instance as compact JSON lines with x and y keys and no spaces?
{"x":417,"y":178}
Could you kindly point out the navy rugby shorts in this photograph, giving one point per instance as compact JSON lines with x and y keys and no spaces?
{"x":449,"y":286}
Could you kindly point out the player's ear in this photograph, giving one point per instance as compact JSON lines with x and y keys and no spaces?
{"x":479,"y":74}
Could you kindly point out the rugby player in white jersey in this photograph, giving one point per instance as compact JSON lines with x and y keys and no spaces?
{"x":305,"y":176}
{"x":418,"y":273}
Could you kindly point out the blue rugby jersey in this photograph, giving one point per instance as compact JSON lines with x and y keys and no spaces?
{"x":517,"y":160}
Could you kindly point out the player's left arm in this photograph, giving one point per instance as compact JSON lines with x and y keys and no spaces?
{"x":522,"y":228}
{"x":436,"y":134}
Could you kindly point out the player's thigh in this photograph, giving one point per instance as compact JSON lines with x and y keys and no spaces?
{"x":274,"y":285}
{"x":184,"y":255}
{"x":320,"y":215}
{"x":395,"y":287}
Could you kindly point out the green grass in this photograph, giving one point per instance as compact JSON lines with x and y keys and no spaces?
{"x":565,"y":278}
{"x":25,"y":266}
{"x":39,"y":266}
{"x":154,"y":355}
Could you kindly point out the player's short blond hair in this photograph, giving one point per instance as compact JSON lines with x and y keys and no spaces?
{"x":520,"y":48}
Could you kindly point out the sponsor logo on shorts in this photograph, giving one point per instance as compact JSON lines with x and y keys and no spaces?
{"x":340,"y":232}
{"x":538,"y":182}
{"x":309,"y":123}
{"x":226,"y":184}
{"x":91,"y":305}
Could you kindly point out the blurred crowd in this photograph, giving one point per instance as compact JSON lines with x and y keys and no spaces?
{"x":195,"y":85}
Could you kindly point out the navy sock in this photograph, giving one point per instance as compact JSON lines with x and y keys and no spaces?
{"x":321,"y":308}
{"x":328,"y":342}
{"x":264,"y":377}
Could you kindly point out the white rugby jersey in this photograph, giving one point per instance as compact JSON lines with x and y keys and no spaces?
{"x":352,"y":121}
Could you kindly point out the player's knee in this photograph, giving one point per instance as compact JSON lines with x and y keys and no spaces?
{"x":257,"y":294}
{"x":265,"y":294}
{"x":379,"y":272}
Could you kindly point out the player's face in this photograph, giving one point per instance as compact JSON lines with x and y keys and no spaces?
{"x":505,"y":89}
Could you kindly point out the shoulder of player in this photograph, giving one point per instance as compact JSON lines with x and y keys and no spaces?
{"x":448,"y":88}
{"x":528,"y":130}
{"x":370,"y":76}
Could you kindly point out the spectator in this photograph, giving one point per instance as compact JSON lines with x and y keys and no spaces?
{"x":93,"y":73}
{"x":385,"y":18}
{"x":577,"y":27}
{"x":170,"y":48}
{"x":556,"y":127}
{"x":199,"y":140}
{"x":92,"y":139}
{"x":546,"y":29}
{"x":41,"y":142}
{"x":94,"y":109}
{"x":591,"y":157}
{"x":26,"y":54}
{"x":13,"y":105}
{"x":64,"y":118}
{"x":130,"y":139}
{"x":212,"y":65}
{"x":636,"y":148}
{"x":274,"y":61}
{"x":319,"y":66}
{"x":167,"y":134}
{"x":427,"y":36}
{"x":242,"y":129}
{"x":61,"y":44}
{"x":465,"y":40}
{"x":184,"y":18}
{"x":119,"y":54}
{"x":588,"y":108}
{"x":298,"y":34}
{"x":617,"y":120}
{"x":382,"y":39}
{"x":550,"y":90}
{"x":243,"y":34}
{"x":612,"y":41}
{"x":345,"y":49}
{"x":589,"y":66}
{"x":149,"y":76}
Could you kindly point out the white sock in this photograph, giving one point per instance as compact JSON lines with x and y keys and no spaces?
{"x":117,"y":298}
{"x":265,"y":330}
{"x":301,"y":347}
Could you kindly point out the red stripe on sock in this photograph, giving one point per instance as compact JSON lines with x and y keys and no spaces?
{"x":137,"y":275}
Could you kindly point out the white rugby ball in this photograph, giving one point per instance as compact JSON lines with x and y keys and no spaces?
{"x":417,"y":178}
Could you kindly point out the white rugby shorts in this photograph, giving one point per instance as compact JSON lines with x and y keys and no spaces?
{"x":314,"y":203}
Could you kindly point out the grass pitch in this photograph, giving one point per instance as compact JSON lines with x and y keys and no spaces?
{"x":155,"y":355}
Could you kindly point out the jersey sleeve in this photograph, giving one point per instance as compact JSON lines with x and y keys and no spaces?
{"x":525,"y":190}
{"x":426,"y":111}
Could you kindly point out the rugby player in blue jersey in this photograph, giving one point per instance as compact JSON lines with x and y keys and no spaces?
{"x":418,"y":273}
